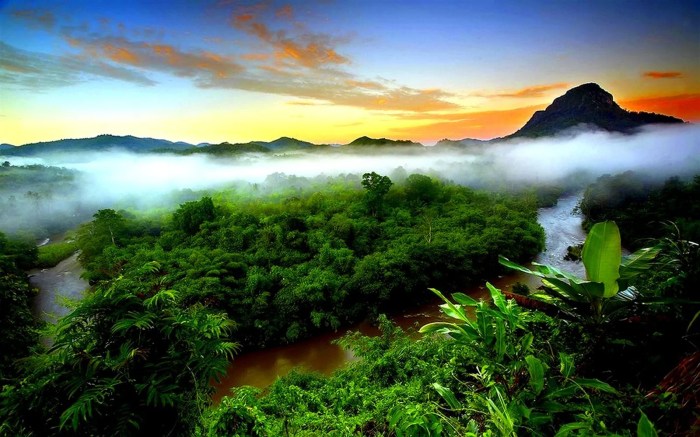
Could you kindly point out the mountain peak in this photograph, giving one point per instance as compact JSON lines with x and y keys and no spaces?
{"x":589,"y":97}
{"x":589,"y":105}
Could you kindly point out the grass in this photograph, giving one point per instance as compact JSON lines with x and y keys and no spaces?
{"x":52,"y":254}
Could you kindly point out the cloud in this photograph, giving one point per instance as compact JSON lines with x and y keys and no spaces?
{"x":255,"y":57}
{"x":201,"y":65}
{"x":308,"y":50}
{"x":529,"y":92}
{"x":285,"y":12}
{"x":662,"y":74}
{"x":35,"y":18}
{"x":367,"y":84}
{"x":32,"y":70}
{"x":294,"y":63}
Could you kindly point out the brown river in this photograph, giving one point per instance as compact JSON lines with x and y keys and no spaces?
{"x":261,"y":368}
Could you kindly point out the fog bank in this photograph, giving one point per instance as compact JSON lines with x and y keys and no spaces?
{"x":144,"y":180}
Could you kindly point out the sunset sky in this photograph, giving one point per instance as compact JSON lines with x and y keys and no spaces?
{"x":329,"y":71}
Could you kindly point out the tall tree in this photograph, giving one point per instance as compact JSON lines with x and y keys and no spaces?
{"x":377,"y":187}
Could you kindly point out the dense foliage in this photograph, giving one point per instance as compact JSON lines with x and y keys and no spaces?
{"x":175,"y":294}
{"x":639,"y":206}
{"x":323,"y":259}
{"x":505,"y":372}
{"x":17,"y":325}
{"x":132,"y":358}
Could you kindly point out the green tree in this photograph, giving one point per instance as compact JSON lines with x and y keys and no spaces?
{"x":421,"y":189}
{"x":191,"y":215}
{"x":132,"y":358}
{"x":377,"y":187}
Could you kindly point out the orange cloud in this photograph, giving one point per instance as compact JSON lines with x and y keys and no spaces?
{"x":255,"y":56}
{"x":204,"y":66}
{"x":684,"y":106}
{"x":367,"y":84}
{"x":533,"y":91}
{"x":662,"y":74}
{"x":285,"y":12}
{"x":120,"y":54}
{"x":480,"y":125}
{"x":310,"y":50}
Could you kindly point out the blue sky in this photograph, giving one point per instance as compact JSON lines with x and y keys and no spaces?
{"x":329,"y":71}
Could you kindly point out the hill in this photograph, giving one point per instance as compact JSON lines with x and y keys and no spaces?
{"x":98,"y":143}
{"x":286,"y":143}
{"x":227,"y":149}
{"x":591,"y":106}
{"x":367,"y":141}
{"x":466,"y":142}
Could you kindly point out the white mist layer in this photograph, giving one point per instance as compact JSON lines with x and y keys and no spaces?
{"x":145,"y":179}
{"x":661,"y":151}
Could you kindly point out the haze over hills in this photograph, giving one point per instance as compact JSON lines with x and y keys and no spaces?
{"x":587,"y":106}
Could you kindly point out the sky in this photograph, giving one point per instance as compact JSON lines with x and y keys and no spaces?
{"x":329,"y":71}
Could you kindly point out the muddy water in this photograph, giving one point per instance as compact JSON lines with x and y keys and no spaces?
{"x":56,"y":284}
{"x":319,"y":354}
{"x":260,"y":368}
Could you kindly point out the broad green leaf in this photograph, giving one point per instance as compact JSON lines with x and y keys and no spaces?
{"x":500,"y":339}
{"x":595,"y":384}
{"x":645,"y":428}
{"x":564,"y":290}
{"x":566,"y":364}
{"x":441,"y":327}
{"x":464,"y":300}
{"x":563,"y":392}
{"x":526,"y":341}
{"x":454,"y":311}
{"x":551,"y":271}
{"x":449,"y":308}
{"x":569,"y":428}
{"x":638,"y":262}
{"x":447,"y":394}
{"x":515,"y":266}
{"x":536,"y":370}
{"x":498,"y":299}
{"x":602,"y":253}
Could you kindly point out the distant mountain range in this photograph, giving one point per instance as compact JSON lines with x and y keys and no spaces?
{"x":98,"y":143}
{"x":586,"y":106}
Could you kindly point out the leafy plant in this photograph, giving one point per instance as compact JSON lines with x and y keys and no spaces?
{"x":606,"y":292}
{"x":516,"y":385}
{"x":131,"y":358}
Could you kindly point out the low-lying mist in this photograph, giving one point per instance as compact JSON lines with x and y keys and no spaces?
{"x":117,"y":178}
